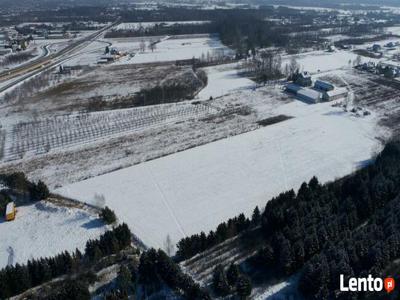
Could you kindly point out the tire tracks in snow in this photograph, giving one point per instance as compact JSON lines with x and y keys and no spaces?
{"x":166,"y":203}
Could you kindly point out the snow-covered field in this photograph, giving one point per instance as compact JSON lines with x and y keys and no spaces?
{"x":138,"y":25}
{"x":195,"y":190}
{"x":321,"y":61}
{"x":43,"y":229}
{"x":171,"y":49}
{"x":223,"y":80}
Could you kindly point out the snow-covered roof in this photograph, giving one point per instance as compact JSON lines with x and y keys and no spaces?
{"x":309,"y":93}
{"x":324,"y":84}
{"x":337,"y":92}
{"x":305,"y":75}
{"x":10,"y":208}
{"x":293,"y":87}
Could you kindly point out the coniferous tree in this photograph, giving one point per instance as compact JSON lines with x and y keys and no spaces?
{"x":124,"y":279}
{"x":243,"y":287}
{"x":232,"y":274}
{"x":220,"y":282}
{"x":108,"y":215}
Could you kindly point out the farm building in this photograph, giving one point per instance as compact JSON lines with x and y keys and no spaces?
{"x":309,"y":95}
{"x":303,"y":93}
{"x":10,"y":211}
{"x":323,"y":86}
{"x":337,"y":93}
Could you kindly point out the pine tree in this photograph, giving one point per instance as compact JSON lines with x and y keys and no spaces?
{"x":220,"y":282}
{"x":243,"y":287}
{"x":108,"y":215}
{"x":256,"y":217}
{"x":124,"y":279}
{"x":232,"y":274}
{"x":39,"y":191}
{"x":267,"y":256}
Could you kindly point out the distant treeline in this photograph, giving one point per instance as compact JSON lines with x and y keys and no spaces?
{"x":245,"y":30}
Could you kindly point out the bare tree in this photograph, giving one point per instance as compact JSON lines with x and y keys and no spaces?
{"x":358,"y":60}
{"x":169,"y":246}
{"x":293,"y":66}
{"x":99,"y":200}
{"x":11,"y":256}
{"x":152,"y":45}
{"x":142,"y":46}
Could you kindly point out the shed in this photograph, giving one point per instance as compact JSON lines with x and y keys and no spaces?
{"x":10,"y":211}
{"x":337,"y":93}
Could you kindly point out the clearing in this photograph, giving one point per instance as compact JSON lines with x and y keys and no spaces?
{"x":44,"y":229}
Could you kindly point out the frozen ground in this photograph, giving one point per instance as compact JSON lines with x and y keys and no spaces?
{"x":322,"y":61}
{"x":195,"y":190}
{"x":223,"y":80}
{"x":172,"y":48}
{"x":43,"y":229}
{"x":137,"y":25}
{"x":281,"y":290}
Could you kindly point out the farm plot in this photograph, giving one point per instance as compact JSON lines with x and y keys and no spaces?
{"x":64,"y":131}
{"x":174,"y":48}
{"x":381,"y":96}
{"x":144,"y":25}
{"x":321,"y":61}
{"x":195,"y":190}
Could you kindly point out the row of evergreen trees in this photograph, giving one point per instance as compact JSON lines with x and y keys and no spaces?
{"x":17,"y":182}
{"x":157,"y":268}
{"x":192,"y":245}
{"x":18,"y":278}
{"x":156,"y":272}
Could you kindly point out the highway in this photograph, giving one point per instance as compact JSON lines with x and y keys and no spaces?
{"x":48,"y":61}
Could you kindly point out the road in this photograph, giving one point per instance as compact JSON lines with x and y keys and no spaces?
{"x":48,"y":61}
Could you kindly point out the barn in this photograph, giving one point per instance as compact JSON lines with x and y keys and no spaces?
{"x":309,"y":95}
{"x":10,"y":211}
{"x":323,"y":86}
{"x":292,"y":88}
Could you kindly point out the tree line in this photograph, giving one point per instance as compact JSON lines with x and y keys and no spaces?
{"x":17,"y":184}
{"x":192,"y":245}
{"x":154,"y":272}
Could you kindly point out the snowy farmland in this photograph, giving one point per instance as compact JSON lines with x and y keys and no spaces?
{"x":144,"y":25}
{"x":43,"y":229}
{"x":39,"y":137}
{"x":223,"y":80}
{"x":195,"y":190}
{"x":172,"y":48}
